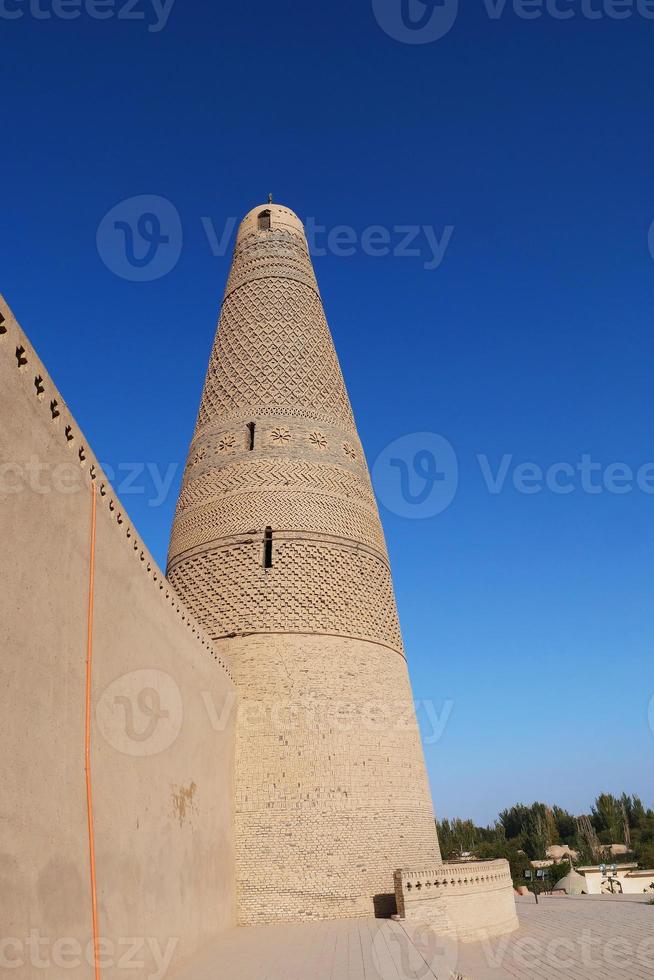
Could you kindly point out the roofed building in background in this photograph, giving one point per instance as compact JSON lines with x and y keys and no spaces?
{"x":618,"y":879}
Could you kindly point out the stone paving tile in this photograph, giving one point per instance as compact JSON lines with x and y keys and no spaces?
{"x":603,"y":938}
{"x":570,"y":937}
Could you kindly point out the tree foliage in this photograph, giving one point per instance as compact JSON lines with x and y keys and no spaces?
{"x":522,"y":833}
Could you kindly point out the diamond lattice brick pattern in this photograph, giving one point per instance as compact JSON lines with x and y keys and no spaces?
{"x":274,"y":350}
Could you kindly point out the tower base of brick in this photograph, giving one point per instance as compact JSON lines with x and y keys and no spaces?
{"x":331,"y":785}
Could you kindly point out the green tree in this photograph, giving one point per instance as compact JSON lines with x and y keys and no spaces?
{"x":513,"y":820}
{"x":523,"y":833}
{"x":518,"y":860}
{"x":456,"y":837}
{"x":565,"y":825}
{"x":634,"y":810}
{"x":608,"y":819}
{"x":539,"y":831}
{"x":534,"y":826}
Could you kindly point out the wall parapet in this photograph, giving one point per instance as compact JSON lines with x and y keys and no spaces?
{"x":469,"y":900}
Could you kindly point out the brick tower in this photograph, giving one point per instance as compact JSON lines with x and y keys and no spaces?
{"x":278,"y":550}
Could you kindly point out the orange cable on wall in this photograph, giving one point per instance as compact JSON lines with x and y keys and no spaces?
{"x":87,"y":739}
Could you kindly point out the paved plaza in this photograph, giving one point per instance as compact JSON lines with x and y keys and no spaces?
{"x":602,"y":937}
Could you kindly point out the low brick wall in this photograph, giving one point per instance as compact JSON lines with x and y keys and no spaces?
{"x":470,"y":901}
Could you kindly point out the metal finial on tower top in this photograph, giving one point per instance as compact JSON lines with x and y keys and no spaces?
{"x":270,"y":200}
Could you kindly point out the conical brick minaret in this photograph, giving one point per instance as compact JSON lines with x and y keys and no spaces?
{"x":278,"y":550}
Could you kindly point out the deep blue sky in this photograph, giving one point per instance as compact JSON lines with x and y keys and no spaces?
{"x":533,"y":614}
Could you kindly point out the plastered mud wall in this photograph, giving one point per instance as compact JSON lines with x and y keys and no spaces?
{"x":161,"y":716}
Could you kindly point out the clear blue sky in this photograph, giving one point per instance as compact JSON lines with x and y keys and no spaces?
{"x":532,"y":613}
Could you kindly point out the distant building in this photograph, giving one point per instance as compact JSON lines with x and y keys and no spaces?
{"x":561,"y":852}
{"x":572,"y":884}
{"x":627,"y":879}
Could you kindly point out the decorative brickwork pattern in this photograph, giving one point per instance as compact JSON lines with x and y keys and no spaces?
{"x":291,"y":365}
{"x":344,"y":590}
{"x":278,"y":549}
{"x":287,"y":493}
{"x":280,"y":254}
{"x":414,"y":887}
{"x":242,"y":513}
{"x":292,"y":439}
{"x":276,"y":475}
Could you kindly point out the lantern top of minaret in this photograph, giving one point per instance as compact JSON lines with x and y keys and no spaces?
{"x":270,"y":217}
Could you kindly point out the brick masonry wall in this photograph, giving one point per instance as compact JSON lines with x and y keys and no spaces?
{"x":331,"y":792}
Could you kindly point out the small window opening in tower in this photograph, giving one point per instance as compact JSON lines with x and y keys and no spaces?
{"x":251,"y":427}
{"x":264,"y":221}
{"x":267,"y":548}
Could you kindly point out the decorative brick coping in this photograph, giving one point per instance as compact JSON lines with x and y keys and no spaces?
{"x":470,"y":901}
{"x":475,"y":876}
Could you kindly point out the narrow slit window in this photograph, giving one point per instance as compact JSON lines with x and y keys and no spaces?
{"x":267,"y":548}
{"x":264,"y":221}
{"x":251,"y":427}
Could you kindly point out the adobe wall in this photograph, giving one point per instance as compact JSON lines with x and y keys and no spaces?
{"x":162,"y":732}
